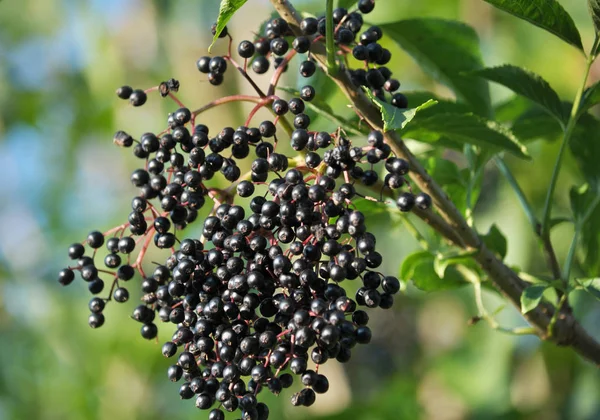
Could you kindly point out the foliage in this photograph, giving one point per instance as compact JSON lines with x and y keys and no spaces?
{"x":55,"y":367}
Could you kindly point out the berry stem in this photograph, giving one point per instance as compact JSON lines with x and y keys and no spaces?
{"x":450,"y":223}
{"x":277,"y":74}
{"x":329,"y":39}
{"x":533,"y":220}
{"x":246,"y":76}
{"x":225,"y":100}
{"x":568,"y":132}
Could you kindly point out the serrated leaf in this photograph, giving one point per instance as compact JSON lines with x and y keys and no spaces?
{"x":594,"y":8}
{"x":531,"y":297}
{"x":322,"y":108}
{"x":466,"y":129}
{"x":396,"y":118}
{"x":545,"y":14}
{"x":445,"y":50}
{"x":496,"y":241}
{"x":526,"y":83}
{"x":591,"y":97}
{"x":226,"y":11}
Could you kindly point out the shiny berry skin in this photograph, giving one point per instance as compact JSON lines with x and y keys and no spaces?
{"x":95,"y":239}
{"x":76,"y":251}
{"x":203,"y":64}
{"x":121,"y":294}
{"x":149,"y":331}
{"x":66,"y":277}
{"x":246,"y":49}
{"x":217,"y":65}
{"x":124,"y":92}
{"x":391,"y":85}
{"x":262,"y":46}
{"x":405,"y":202}
{"x":307,"y":68}
{"x":366,"y":6}
{"x":279,"y":46}
{"x":280,"y":107}
{"x":260,"y":65}
{"x":423,"y":201}
{"x":399,"y":100}
{"x":309,"y":26}
{"x":138,"y":97}
{"x":397,"y":166}
{"x":301,"y":44}
{"x":96,"y":320}
{"x":245,"y":189}
{"x":307,"y":93}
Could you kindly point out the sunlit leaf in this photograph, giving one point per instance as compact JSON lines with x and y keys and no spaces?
{"x":226,"y":11}
{"x":531,"y":297}
{"x":525,"y":83}
{"x":546,"y":14}
{"x":396,"y":118}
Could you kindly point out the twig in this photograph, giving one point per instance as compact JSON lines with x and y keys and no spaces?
{"x":567,"y":331}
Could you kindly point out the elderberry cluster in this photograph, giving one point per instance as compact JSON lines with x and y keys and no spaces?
{"x":259,"y":297}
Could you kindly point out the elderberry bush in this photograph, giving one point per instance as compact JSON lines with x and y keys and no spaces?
{"x":258,"y":300}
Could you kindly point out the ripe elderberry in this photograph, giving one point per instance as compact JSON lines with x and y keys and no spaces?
{"x":263,"y":289}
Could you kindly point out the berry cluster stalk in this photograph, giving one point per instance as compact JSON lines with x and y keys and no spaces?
{"x":566,"y":331}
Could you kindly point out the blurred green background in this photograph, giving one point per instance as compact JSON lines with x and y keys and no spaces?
{"x":60,"y":62}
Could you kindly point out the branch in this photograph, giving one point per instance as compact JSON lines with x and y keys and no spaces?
{"x":567,"y":331}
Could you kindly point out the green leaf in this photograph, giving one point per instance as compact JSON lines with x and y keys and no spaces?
{"x":396,"y":118}
{"x":426,"y":279}
{"x":451,"y":179}
{"x":534,"y":124}
{"x":407,"y":269}
{"x":444,"y":171}
{"x":592,"y":286}
{"x":525,"y":83}
{"x":546,"y":14}
{"x":226,"y":11}
{"x":419,"y":268}
{"x":511,"y":109}
{"x":323,"y":109}
{"x":496,"y":241}
{"x":346,"y":3}
{"x":531,"y":297}
{"x":443,"y":261}
{"x":594,"y":7}
{"x":586,"y":212}
{"x":585,"y":146}
{"x":466,"y":129}
{"x":591,"y":97}
{"x":445,"y":50}
{"x":443,"y":106}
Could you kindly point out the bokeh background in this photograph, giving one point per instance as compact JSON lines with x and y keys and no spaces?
{"x":60,"y":62}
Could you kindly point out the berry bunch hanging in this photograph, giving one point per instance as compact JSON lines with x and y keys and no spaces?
{"x":259,"y":297}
